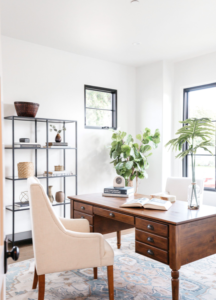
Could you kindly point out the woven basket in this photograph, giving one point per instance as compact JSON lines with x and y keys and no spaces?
{"x":25,"y":169}
{"x":59,"y":168}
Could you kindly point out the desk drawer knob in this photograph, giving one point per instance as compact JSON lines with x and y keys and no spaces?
{"x":150,"y":227}
{"x":112,"y":215}
{"x":82,"y":207}
{"x":82,"y":217}
{"x":150,"y":252}
{"x":151,"y":240}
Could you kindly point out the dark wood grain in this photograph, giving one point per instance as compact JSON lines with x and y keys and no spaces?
{"x":110,"y":282}
{"x":41,"y":289}
{"x":35,"y":280}
{"x":95,"y":270}
{"x":175,"y":285}
{"x":104,"y":225}
{"x":152,"y":239}
{"x":91,"y":228}
{"x":83,"y":207}
{"x":26,"y":109}
{"x":177,"y":214}
{"x":118,"y":239}
{"x":197,"y":240}
{"x":114,"y":215}
{"x":157,"y":254}
{"x":80,"y":215}
{"x":71,"y":209}
{"x":152,"y":227}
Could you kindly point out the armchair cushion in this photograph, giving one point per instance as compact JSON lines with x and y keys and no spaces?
{"x":77,"y":225}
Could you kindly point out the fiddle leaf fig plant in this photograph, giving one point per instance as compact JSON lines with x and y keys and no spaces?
{"x":130,"y":158}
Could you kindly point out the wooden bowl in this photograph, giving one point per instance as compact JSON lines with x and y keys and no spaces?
{"x":26,"y":109}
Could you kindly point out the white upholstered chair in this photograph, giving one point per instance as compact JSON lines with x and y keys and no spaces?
{"x":178,"y":186}
{"x":64,"y":244}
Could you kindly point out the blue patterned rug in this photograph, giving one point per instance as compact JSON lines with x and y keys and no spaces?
{"x":136,"y":277}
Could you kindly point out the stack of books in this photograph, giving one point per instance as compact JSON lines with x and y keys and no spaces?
{"x":56,"y":145}
{"x":58,"y":173}
{"x":27,"y":145}
{"x":124,"y":192}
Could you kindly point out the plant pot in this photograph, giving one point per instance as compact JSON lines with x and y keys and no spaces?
{"x":130,"y":183}
{"x":59,"y":197}
{"x":58,"y":138}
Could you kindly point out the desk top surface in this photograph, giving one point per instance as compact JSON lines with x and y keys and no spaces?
{"x":177,"y":214}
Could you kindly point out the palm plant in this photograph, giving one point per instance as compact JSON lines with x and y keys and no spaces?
{"x":197,"y":134}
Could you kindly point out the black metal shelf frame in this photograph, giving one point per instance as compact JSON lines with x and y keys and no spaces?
{"x":47,"y":177}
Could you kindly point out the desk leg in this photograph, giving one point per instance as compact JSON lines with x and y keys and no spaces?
{"x":175,"y":285}
{"x":118,"y":239}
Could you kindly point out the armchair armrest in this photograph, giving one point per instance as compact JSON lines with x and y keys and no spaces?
{"x":77,"y":225}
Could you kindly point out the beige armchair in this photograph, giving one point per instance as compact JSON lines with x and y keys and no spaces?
{"x":64,"y":244}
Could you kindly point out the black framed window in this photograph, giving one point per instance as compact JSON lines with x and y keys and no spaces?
{"x":100,"y":107}
{"x":198,"y":102}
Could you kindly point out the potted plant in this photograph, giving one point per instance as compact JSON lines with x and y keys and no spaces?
{"x":197,"y":134}
{"x":58,"y":137}
{"x":130,"y":158}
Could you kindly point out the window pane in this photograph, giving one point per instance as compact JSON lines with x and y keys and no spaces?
{"x":205,"y":168}
{"x":202,"y":103}
{"x":98,"y":99}
{"x":95,"y":117}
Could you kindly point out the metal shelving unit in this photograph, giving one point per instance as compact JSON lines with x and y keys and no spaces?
{"x":21,"y":236}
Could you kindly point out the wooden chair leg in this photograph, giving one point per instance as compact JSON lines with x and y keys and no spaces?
{"x":41,"y":290}
{"x":110,"y":282}
{"x":35,"y":280}
{"x":118,"y":239}
{"x":95,"y":273}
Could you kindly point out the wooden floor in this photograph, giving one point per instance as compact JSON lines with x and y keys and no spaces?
{"x":26,"y":249}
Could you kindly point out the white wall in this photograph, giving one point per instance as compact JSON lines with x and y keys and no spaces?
{"x":193,"y":72}
{"x":55,"y":79}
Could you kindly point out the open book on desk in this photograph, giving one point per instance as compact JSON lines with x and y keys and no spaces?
{"x":148,"y":203}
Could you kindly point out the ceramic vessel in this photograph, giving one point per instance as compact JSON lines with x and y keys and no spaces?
{"x":58,"y":138}
{"x":26,"y":109}
{"x":59,"y":197}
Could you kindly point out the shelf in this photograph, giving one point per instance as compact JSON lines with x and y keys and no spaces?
{"x":38,"y":119}
{"x":29,"y":148}
{"x":20,"y":236}
{"x":39,"y":177}
{"x":10,"y":208}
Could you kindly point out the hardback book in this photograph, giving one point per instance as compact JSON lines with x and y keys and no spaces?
{"x":153,"y":203}
{"x":55,"y":147}
{"x":164,"y":196}
{"x":117,"y":195}
{"x":22,"y":204}
{"x":57,"y":144}
{"x":30,"y":146}
{"x":117,"y":190}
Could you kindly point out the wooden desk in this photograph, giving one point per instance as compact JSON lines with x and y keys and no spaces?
{"x":175,"y":237}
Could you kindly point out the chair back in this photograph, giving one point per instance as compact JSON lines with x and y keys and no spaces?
{"x":178,"y":186}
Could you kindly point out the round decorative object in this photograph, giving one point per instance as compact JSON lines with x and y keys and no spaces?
{"x":50,"y":194}
{"x":119,"y":181}
{"x":25,"y":169}
{"x":59,"y":197}
{"x":24,"y":197}
{"x":26,"y":109}
{"x":58,"y":138}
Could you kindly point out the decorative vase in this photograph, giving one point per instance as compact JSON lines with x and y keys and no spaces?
{"x":59,"y":197}
{"x":58,"y":138}
{"x":130,"y":183}
{"x":50,"y":194}
{"x":193,"y":189}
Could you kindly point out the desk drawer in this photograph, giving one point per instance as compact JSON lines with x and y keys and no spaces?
{"x":152,"y":239}
{"x":114,"y":215}
{"x":153,"y":227}
{"x":152,"y":252}
{"x":86,"y":208}
{"x":80,"y":215}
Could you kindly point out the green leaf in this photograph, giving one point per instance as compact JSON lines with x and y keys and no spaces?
{"x":139,"y":137}
{"x":135,"y":145}
{"x":125,"y":148}
{"x":129,"y":165}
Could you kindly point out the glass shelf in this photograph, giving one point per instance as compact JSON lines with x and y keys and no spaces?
{"x":39,"y":177}
{"x":38,"y":119}
{"x":16,"y":208}
{"x":32,"y":148}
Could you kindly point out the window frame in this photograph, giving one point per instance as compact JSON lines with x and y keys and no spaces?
{"x":185,"y":117}
{"x":114,"y":106}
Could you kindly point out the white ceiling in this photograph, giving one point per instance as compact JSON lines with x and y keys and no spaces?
{"x":107,"y":29}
